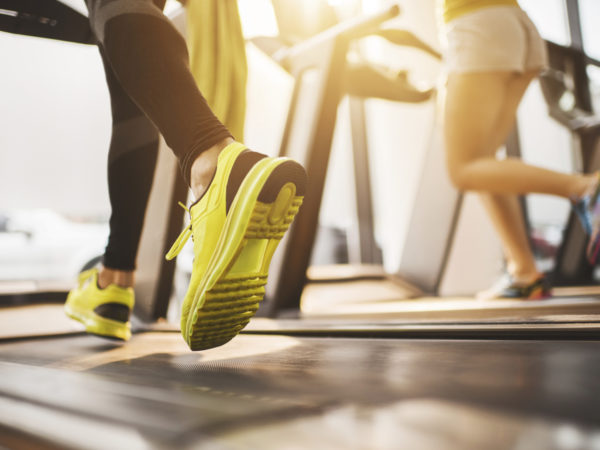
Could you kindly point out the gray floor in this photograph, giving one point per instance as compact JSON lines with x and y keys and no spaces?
{"x":301,"y":392}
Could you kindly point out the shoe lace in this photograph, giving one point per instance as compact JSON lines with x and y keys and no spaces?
{"x":180,"y":242}
{"x":85,"y":275}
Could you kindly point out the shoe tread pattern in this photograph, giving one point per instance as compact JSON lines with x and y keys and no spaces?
{"x":233,"y":300}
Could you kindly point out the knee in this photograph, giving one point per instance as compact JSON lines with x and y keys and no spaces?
{"x":459,"y":177}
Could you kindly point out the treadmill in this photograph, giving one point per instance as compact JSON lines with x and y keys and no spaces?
{"x":565,"y":86}
{"x":289,"y":384}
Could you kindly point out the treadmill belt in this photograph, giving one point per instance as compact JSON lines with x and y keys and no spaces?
{"x":153,"y":391}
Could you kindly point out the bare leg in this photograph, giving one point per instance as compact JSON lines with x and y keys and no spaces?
{"x":123,"y":278}
{"x":480,"y":112}
{"x":474,"y":103}
{"x":507,"y":217}
{"x":505,"y":210}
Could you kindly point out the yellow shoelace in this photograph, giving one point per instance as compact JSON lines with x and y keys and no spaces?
{"x":181,"y":240}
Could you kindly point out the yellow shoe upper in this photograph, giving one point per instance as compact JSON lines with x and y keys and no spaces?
{"x":207,"y":219}
{"x":88,"y":296}
{"x":104,"y":312}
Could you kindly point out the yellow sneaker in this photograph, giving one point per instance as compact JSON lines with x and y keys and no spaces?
{"x":237,"y":226}
{"x":104,"y":312}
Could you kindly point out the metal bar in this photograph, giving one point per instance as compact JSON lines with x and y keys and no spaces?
{"x":308,"y":53}
{"x":49,"y":19}
{"x":513,"y":149}
{"x":455,"y":332}
{"x":460,"y":197}
{"x":574,"y":21}
{"x":163,"y":222}
{"x":369,"y":251}
{"x":289,"y":121}
{"x":578,"y":59}
{"x":592,"y":61}
{"x":326,"y":53}
{"x":290,"y":276}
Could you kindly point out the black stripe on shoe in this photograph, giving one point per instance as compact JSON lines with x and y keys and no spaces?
{"x":242,"y":165}
{"x":113,"y":311}
{"x":286,"y":172}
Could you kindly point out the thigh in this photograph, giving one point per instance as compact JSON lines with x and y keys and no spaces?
{"x":473,"y":105}
{"x":514,"y":94}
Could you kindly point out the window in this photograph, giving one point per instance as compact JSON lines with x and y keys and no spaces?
{"x":550,"y":17}
{"x":589,"y":10}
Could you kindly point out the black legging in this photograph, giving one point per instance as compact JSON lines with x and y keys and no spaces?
{"x":147,"y":72}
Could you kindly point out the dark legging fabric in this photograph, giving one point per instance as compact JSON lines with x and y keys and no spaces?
{"x":151,"y":87}
{"x":131,"y":162}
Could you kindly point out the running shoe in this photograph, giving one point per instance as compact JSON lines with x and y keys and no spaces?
{"x":582,"y":208}
{"x":236,"y":227}
{"x":508,"y":288}
{"x":104,"y":312}
{"x":590,"y":204}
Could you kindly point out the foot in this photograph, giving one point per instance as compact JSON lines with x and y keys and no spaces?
{"x":587,"y":208}
{"x":585,"y":204}
{"x":203,"y":168}
{"x":237,"y":225}
{"x":509,"y":288}
{"x":104,"y":312}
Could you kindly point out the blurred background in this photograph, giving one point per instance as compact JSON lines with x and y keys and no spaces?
{"x":55,"y":131}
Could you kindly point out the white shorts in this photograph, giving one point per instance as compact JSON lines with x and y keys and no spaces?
{"x":491,"y":39}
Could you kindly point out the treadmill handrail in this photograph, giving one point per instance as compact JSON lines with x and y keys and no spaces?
{"x":50,"y":19}
{"x":308,"y":53}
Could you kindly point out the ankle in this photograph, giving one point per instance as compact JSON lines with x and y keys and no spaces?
{"x":525,"y":276}
{"x":586,"y":186}
{"x":204,"y":167}
{"x":121,"y":278}
{"x":524,"y":272}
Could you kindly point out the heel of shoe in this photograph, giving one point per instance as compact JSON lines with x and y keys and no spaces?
{"x":286,"y":173}
{"x":263,"y":210}
{"x":272,"y":220}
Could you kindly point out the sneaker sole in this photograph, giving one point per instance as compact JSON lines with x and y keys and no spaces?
{"x":538,"y":294}
{"x":98,"y":325}
{"x":229,"y":294}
